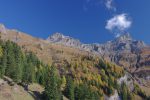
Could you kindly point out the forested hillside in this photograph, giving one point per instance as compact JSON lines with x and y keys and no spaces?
{"x":85,"y":78}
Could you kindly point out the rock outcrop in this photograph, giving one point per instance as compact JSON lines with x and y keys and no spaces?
{"x":64,"y":40}
{"x":2,"y":29}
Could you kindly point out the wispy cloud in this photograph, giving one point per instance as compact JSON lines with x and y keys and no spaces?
{"x":118,"y":24}
{"x":110,"y":5}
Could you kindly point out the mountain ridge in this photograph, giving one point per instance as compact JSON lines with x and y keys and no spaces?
{"x":123,"y":51}
{"x":132,"y":55}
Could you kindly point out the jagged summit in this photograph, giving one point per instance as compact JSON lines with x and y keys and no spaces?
{"x":65,"y":40}
{"x":2,"y":28}
{"x":121,"y":43}
{"x":122,"y":47}
{"x":124,"y":38}
{"x":56,"y":37}
{"x":59,"y":37}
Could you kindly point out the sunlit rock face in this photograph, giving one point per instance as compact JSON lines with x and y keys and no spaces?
{"x":65,"y":40}
{"x":123,"y":50}
{"x":2,"y":29}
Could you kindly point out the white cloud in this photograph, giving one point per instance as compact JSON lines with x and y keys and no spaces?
{"x":110,"y":5}
{"x":118,"y":24}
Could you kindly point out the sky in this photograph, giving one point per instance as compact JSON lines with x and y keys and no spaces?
{"x":90,"y":21}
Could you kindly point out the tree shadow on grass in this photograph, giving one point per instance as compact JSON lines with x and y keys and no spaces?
{"x":36,"y":95}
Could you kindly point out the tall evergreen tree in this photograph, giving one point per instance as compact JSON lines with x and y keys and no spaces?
{"x":52,"y":89}
{"x":3,"y":63}
{"x":11,"y":64}
{"x":83,"y":92}
{"x":69,"y":91}
{"x":28,"y":74}
{"x":19,"y":63}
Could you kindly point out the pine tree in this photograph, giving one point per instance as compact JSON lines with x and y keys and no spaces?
{"x":69,"y":91}
{"x":52,"y":89}
{"x":3,"y":63}
{"x":84,"y":92}
{"x":1,"y":51}
{"x":11,"y":64}
{"x":19,"y":63}
{"x":28,"y":73}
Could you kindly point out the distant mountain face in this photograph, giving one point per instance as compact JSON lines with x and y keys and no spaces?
{"x":123,"y":50}
{"x":132,"y":54}
{"x":122,"y":43}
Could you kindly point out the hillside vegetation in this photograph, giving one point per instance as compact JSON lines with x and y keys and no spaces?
{"x":82,"y":78}
{"x":64,"y":72}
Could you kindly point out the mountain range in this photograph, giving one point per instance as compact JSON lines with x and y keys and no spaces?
{"x":123,"y":50}
{"x":133,"y":55}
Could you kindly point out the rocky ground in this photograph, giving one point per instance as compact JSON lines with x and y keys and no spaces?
{"x":16,"y":92}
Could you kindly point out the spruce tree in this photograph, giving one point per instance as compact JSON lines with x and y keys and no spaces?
{"x":69,"y":91}
{"x":19,"y":64}
{"x":3,"y":63}
{"x":52,"y":89}
{"x":28,"y":73}
{"x":11,"y":64}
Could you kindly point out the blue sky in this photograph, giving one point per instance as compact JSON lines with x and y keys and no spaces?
{"x":82,"y":19}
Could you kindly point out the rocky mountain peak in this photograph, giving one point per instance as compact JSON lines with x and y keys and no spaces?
{"x":2,"y":28}
{"x":55,"y":37}
{"x":58,"y":35}
{"x":65,"y":40}
{"x":124,"y":38}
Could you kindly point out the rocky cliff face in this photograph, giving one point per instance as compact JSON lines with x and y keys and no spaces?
{"x":123,"y":50}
